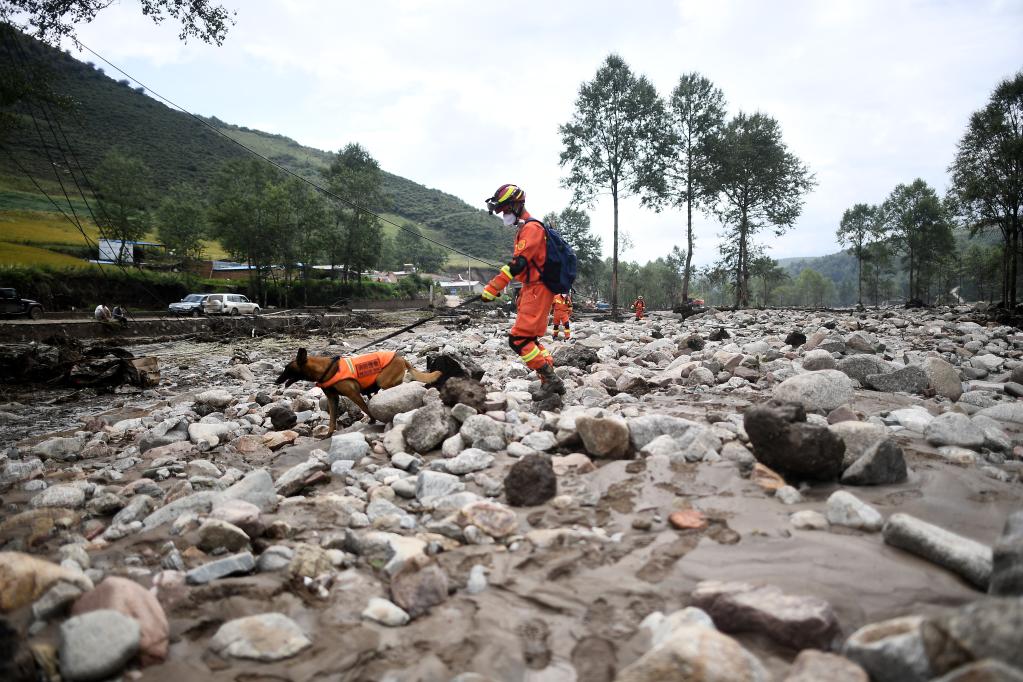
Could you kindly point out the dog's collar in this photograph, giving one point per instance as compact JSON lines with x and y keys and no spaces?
{"x":327,"y":372}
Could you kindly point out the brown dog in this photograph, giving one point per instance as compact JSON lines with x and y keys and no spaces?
{"x":352,"y":377}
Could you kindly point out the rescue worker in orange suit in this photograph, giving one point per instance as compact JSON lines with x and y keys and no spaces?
{"x":535,"y":299}
{"x":639,"y":305}
{"x":562,"y":312}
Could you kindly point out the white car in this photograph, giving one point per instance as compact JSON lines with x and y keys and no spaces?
{"x":229,"y":304}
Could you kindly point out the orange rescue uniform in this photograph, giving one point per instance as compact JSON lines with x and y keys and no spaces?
{"x":535,"y":299}
{"x":363,"y":368}
{"x":562,"y":312}
{"x":639,"y":305}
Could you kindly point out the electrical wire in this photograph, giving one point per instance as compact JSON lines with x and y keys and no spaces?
{"x":327,"y":192}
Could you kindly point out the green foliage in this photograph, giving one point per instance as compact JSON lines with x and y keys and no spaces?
{"x":181,"y":150}
{"x":757,"y":182}
{"x":181,"y":222}
{"x":51,"y":21}
{"x":697,"y":117}
{"x":917,"y":225}
{"x":123,"y":193}
{"x":355,"y":241}
{"x":859,"y":227}
{"x":617,"y":125}
{"x":987,"y":174}
{"x":410,"y":247}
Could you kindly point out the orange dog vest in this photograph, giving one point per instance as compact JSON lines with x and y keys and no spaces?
{"x":363,"y":368}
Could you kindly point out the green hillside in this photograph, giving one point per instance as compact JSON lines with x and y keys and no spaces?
{"x":99,"y":113}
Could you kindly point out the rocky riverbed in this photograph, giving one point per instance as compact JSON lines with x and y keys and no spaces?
{"x":752,"y":495}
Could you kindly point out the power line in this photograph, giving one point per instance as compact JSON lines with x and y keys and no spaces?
{"x":312,"y":184}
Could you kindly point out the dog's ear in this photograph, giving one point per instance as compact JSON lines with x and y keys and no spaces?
{"x":301,"y":357}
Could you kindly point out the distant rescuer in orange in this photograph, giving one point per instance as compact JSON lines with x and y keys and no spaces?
{"x":562,"y":312}
{"x":639,"y":305}
{"x":535,"y":299}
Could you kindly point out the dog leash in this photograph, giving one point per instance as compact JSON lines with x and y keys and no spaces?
{"x":413,"y":325}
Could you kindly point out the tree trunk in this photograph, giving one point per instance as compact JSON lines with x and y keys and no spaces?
{"x":614,"y":258}
{"x":911,"y":291}
{"x":689,"y":236}
{"x":1014,"y":256}
{"x":859,"y":275}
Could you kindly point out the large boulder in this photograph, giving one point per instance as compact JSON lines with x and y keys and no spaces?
{"x":986,"y":629}
{"x":428,"y":428}
{"x":792,"y":447}
{"x":604,"y":437}
{"x":264,"y":637}
{"x":697,"y":653}
{"x":401,"y":398}
{"x":530,"y":482}
{"x":909,"y":379}
{"x":859,"y":367}
{"x":97,"y":645}
{"x":969,"y":558}
{"x":131,"y":599}
{"x":466,"y":391}
{"x":822,"y":390}
{"x":943,"y":378}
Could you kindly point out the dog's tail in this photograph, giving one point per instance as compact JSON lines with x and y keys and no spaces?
{"x":425,"y":377}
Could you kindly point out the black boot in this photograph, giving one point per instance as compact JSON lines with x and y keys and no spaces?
{"x":550,"y":382}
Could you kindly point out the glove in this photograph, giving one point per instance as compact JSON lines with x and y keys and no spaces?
{"x":487,"y":296}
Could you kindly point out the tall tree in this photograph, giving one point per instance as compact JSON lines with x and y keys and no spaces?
{"x":697,"y":115}
{"x":770,"y":273}
{"x":917,"y":226}
{"x":238,"y":216}
{"x":617,"y":125}
{"x":355,"y":176}
{"x":987,"y":175}
{"x":123,"y":194}
{"x":181,"y":222}
{"x":312,"y":222}
{"x":859,"y":227}
{"x":756,"y":182}
{"x":410,"y":247}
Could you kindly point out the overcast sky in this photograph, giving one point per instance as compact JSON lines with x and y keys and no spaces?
{"x":465,"y":95}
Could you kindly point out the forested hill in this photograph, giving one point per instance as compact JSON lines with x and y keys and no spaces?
{"x":99,"y":113}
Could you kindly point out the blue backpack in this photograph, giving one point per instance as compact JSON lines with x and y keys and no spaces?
{"x":558,"y":272}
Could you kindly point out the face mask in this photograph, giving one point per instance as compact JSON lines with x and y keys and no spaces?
{"x":509,"y":219}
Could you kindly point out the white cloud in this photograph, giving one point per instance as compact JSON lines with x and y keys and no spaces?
{"x":464,"y":96}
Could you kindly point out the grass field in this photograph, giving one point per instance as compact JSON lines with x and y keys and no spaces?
{"x":24,"y":254}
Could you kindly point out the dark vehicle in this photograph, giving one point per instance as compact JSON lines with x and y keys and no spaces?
{"x":12,"y":306}
{"x":189,"y":305}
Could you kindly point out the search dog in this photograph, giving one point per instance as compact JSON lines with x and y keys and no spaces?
{"x":351,"y":376}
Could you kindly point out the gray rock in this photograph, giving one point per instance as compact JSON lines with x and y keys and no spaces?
{"x":644,"y":429}
{"x":137,"y":508}
{"x":954,"y":428}
{"x":1007,"y":554}
{"x":531,"y":481}
{"x":891,"y":651}
{"x":97,"y":645}
{"x":348,"y":446}
{"x":968,"y":558}
{"x":809,"y":520}
{"x":913,"y":418}
{"x":604,"y":437}
{"x":436,"y":484}
{"x":60,"y":449}
{"x":20,"y":470}
{"x":402,"y":398}
{"x":282,"y":417}
{"x":910,"y":379}
{"x":207,"y":436}
{"x":710,"y":655}
{"x":823,"y":390}
{"x":1005,"y":412}
{"x":943,"y":378}
{"x":467,"y":461}
{"x":995,"y":437}
{"x":293,"y":480}
{"x":198,"y":503}
{"x":264,"y":637}
{"x":215,"y":534}
{"x":858,"y":438}
{"x":859,"y":367}
{"x":256,"y":487}
{"x":863,"y":342}
{"x":385,"y":612}
{"x":988,"y":670}
{"x":986,"y":629}
{"x":418,"y":588}
{"x":480,"y":430}
{"x":274,"y":558}
{"x":63,"y":496}
{"x":217,"y":398}
{"x":173,"y":430}
{"x":814,"y":666}
{"x":56,"y":601}
{"x":235,"y":564}
{"x":796,"y":621}
{"x":818,"y":359}
{"x":845,"y":509}
{"x":882,"y":464}
{"x":540,"y":440}
{"x":428,"y":428}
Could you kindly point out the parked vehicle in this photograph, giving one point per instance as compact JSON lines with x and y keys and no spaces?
{"x":13,"y":306}
{"x":229,"y":304}
{"x":189,"y":305}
